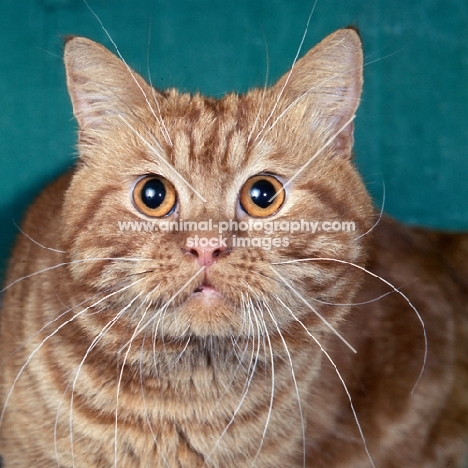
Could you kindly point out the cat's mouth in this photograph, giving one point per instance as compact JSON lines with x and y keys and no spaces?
{"x":207,"y":290}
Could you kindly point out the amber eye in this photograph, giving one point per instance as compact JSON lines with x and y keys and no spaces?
{"x":154,"y":196}
{"x":262,"y":196}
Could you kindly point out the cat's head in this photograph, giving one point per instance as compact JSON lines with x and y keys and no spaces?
{"x":271,"y":161}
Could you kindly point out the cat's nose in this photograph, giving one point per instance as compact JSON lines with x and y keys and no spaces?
{"x":208,"y":255}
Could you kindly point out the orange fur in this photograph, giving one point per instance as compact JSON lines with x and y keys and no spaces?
{"x":111,"y":356}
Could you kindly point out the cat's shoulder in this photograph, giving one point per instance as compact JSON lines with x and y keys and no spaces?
{"x":415,"y":255}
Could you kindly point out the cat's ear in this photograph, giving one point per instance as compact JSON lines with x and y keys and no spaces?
{"x":101,"y":86}
{"x":325,"y":86}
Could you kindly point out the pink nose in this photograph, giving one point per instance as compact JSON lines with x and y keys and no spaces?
{"x":206,"y":256}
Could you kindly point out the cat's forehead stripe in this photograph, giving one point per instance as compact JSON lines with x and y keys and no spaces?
{"x":182,"y":149}
{"x":208,"y":131}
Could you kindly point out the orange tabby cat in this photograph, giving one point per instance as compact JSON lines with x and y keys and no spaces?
{"x":260,"y":344}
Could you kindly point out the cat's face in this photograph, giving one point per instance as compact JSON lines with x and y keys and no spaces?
{"x":149,"y":157}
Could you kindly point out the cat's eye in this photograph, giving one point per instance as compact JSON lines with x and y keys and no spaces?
{"x":262,"y":196}
{"x":154,"y":196}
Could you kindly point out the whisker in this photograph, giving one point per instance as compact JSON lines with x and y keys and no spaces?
{"x":142,"y":386}
{"x":32,"y":354}
{"x":50,"y":322}
{"x":383,"y":57}
{"x":394,"y":288}
{"x":158,"y":315}
{"x":57,"y":414}
{"x":179,"y":356}
{"x":140,"y":273}
{"x":315,"y":155}
{"x":121,"y":373}
{"x":293,"y":376}
{"x":271,"y":278}
{"x":315,"y":311}
{"x":252,"y":364}
{"x":272,"y":396}
{"x":36,"y":242}
{"x":93,"y":344}
{"x":250,"y":374}
{"x":74,"y":262}
{"x":148,"y":421}
{"x":370,"y":301}
{"x":265,"y":87}
{"x":296,"y":58}
{"x":380,"y":214}
{"x":356,"y":419}
{"x":151,"y":320}
{"x":129,"y":342}
{"x":159,"y":118}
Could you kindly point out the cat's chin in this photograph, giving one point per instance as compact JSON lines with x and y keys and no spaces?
{"x":208,"y":313}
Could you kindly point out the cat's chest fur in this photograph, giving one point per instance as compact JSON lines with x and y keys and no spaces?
{"x":140,"y":348}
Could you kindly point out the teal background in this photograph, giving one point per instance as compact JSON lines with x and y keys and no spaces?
{"x":411,"y":130}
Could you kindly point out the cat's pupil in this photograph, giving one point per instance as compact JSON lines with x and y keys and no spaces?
{"x":261,"y":193}
{"x":153,"y":193}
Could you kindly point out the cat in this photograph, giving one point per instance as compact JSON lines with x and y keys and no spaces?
{"x":278,"y":347}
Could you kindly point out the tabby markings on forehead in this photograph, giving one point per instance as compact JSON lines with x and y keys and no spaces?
{"x":157,"y":150}
{"x":199,"y":132}
{"x":182,"y":149}
{"x":237,"y":150}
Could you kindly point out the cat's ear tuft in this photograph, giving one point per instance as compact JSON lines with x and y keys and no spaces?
{"x":325,"y":86}
{"x":101,"y":86}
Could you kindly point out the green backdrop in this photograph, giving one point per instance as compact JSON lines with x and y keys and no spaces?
{"x":411,"y":129}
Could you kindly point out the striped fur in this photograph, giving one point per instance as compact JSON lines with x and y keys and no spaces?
{"x":110,"y":359}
